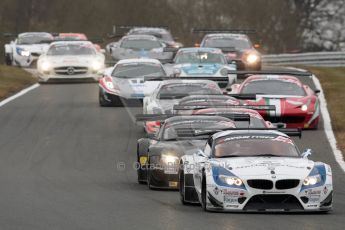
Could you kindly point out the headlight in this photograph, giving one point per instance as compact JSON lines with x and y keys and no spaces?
{"x":224,"y":72}
{"x":23,"y":52}
{"x":169,"y":159}
{"x":252,"y":58}
{"x":312,"y":180}
{"x":45,"y":66}
{"x":304,"y":108}
{"x":109,"y":85}
{"x":96,"y":65}
{"x":231,"y":180}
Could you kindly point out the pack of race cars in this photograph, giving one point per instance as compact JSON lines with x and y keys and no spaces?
{"x":222,"y":142}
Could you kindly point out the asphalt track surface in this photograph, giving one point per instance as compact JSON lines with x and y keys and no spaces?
{"x":66,"y":163}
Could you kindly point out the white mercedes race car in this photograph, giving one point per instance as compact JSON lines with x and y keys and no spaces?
{"x":70,"y":61}
{"x":253,"y":171}
{"x":26,"y":48}
{"x":126,"y":80}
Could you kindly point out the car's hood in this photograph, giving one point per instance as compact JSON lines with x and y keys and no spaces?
{"x":200,"y":69}
{"x":35,"y":48}
{"x":135,"y":87}
{"x":69,"y":60}
{"x":251,"y":167}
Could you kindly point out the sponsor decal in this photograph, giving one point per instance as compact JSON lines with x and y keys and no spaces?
{"x":325,"y":190}
{"x":216,"y":190}
{"x":274,"y":192}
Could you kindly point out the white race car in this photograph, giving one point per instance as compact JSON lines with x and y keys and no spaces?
{"x":254,"y":170}
{"x":26,"y":48}
{"x":126,"y":80}
{"x":70,"y":60}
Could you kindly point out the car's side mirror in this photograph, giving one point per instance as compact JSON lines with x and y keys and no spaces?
{"x":280,"y":125}
{"x":201,"y":154}
{"x":317,"y":91}
{"x":307,"y":153}
{"x":228,"y":89}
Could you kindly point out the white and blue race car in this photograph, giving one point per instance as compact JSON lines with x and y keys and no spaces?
{"x":125,"y":81}
{"x":26,"y":48}
{"x":253,"y":171}
{"x":208,"y":62}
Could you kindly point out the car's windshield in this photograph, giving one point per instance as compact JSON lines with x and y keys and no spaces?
{"x":29,"y":39}
{"x":252,"y":145}
{"x":161,"y":36}
{"x":273,"y":87}
{"x":131,"y":70}
{"x":185,"y":89}
{"x":188,"y":128}
{"x":140,"y":44}
{"x":70,"y":49}
{"x":238,"y":43}
{"x":200,"y":57}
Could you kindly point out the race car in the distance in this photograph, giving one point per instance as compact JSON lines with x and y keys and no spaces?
{"x":189,"y":103}
{"x":125,"y":81}
{"x":26,"y":48}
{"x":75,"y":37}
{"x":208,"y":62}
{"x":170,"y":92}
{"x":158,"y":156}
{"x":254,"y":171}
{"x":162,"y":34}
{"x":237,"y":48}
{"x":139,"y":46}
{"x":70,"y":60}
{"x":297,"y":105}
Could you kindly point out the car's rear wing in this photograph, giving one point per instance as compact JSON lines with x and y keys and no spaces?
{"x":206,"y":131}
{"x":197,"y":106}
{"x":217,"y":31}
{"x":163,"y":117}
{"x":163,"y":78}
{"x":9,"y":35}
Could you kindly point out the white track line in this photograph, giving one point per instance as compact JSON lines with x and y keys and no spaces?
{"x":327,"y":123}
{"x":21,"y":93}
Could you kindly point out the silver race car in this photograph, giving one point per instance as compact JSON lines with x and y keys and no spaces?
{"x":26,"y":48}
{"x":138,"y":46}
{"x":126,"y":81}
{"x":254,"y":170}
{"x":71,"y":60}
{"x":170,"y":92}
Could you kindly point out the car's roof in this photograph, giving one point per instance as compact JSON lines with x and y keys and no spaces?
{"x":139,"y":37}
{"x":148,"y":29}
{"x":196,"y":118}
{"x":226,"y":35}
{"x":35,"y":33}
{"x":139,"y":60}
{"x":179,"y":81}
{"x":200,"y":49}
{"x":248,"y":132}
{"x":71,"y":43}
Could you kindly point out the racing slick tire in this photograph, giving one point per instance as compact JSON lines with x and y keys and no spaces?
{"x":204,"y":193}
{"x":181,"y":186}
{"x":8,"y":59}
{"x":114,"y":101}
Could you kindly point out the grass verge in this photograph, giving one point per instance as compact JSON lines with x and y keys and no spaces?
{"x":333,"y":84}
{"x":13,"y":79}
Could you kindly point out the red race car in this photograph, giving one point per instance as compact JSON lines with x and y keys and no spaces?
{"x":297,"y":105}
{"x":75,"y":37}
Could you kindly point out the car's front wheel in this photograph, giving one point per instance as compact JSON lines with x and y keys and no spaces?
{"x":102,"y":101}
{"x":203,"y":193}
{"x":181,"y":186}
